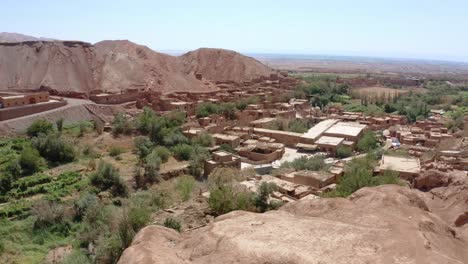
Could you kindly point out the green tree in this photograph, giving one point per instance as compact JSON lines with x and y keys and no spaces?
{"x":54,"y":148}
{"x":143,"y":146}
{"x":145,"y":120}
{"x":30,"y":161}
{"x":107,"y":177}
{"x":261,"y":199}
{"x":183,"y":151}
{"x":121,"y":124}
{"x":40,"y":126}
{"x":163,"y":153}
{"x":184,"y":186}
{"x":152,"y":166}
{"x":59,"y":124}
{"x":203,"y":139}
{"x":313,"y":163}
{"x":343,"y":152}
{"x":197,"y":160}
{"x":368,"y":142}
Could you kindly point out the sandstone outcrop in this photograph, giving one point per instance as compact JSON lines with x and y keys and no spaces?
{"x":385,"y":224}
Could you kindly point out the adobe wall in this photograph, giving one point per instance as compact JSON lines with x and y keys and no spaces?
{"x":209,"y":167}
{"x":290,"y":139}
{"x":117,"y":98}
{"x":264,"y":158}
{"x":14,"y":112}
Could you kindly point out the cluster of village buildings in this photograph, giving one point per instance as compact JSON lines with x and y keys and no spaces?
{"x":252,"y":142}
{"x":247,"y":138}
{"x":13,"y":105}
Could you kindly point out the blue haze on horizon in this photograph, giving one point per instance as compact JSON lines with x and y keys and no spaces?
{"x":414,"y":29}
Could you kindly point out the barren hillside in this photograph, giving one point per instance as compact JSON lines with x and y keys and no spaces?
{"x":114,"y":66}
{"x":64,"y":66}
{"x":128,"y":65}
{"x":223,"y":65}
{"x":386,"y":224}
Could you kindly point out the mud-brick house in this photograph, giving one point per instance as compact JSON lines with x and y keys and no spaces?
{"x":221,"y":159}
{"x":13,"y":100}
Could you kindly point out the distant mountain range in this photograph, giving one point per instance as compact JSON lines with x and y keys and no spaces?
{"x":16,"y":37}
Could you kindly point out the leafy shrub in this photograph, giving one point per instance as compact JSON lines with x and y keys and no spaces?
{"x":262,"y":196}
{"x":203,"y":139}
{"x":89,"y":151}
{"x":182,"y":151}
{"x":143,"y":146}
{"x":343,"y":152}
{"x":163,"y":153}
{"x":59,"y":124}
{"x":173,"y":223}
{"x":230,"y":197}
{"x":146,"y":120}
{"x":108,"y":178}
{"x":77,"y":257}
{"x":82,"y":129}
{"x":98,"y":126}
{"x":368,"y":142}
{"x":184,"y":186}
{"x":298,"y":126}
{"x":40,"y":126}
{"x":174,"y":137}
{"x":313,"y":163}
{"x":225,"y":175}
{"x":226,"y":194}
{"x":121,"y":124}
{"x":112,"y":241}
{"x":50,"y":215}
{"x":83,"y":203}
{"x":197,"y":160}
{"x":152,"y":166}
{"x":30,"y":161}
{"x":227,"y":148}
{"x":53,"y":148}
{"x":116,"y":151}
{"x":206,"y":109}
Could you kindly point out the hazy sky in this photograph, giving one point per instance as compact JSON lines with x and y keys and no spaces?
{"x":432,"y":29}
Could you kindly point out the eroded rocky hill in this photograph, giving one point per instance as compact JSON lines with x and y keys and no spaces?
{"x":223,"y":65}
{"x":68,"y":67}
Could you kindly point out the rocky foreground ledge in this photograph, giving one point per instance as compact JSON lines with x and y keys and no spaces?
{"x":385,"y":224}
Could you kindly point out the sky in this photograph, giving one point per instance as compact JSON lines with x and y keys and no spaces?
{"x":421,"y":29}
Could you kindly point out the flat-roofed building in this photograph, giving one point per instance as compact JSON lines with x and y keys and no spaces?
{"x":409,"y":168}
{"x":316,"y":179}
{"x":350,"y":131}
{"x":221,"y":159}
{"x":231,"y":140}
{"x":263,"y":122}
{"x":13,"y":100}
{"x":285,"y":137}
{"x":329,"y":144}
{"x":316,"y":131}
